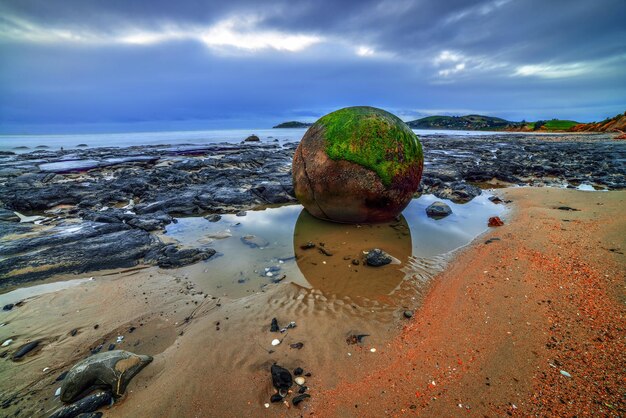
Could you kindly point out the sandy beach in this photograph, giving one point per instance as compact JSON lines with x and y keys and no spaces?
{"x":530,"y":323}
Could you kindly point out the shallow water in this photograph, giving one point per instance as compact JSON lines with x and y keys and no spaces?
{"x":275,"y":237}
{"x":37,"y":290}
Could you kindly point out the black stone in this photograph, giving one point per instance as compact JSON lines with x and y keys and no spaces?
{"x":298,"y":371}
{"x":85,"y":405}
{"x":377,"y":258}
{"x":25,"y":349}
{"x":296,"y":400}
{"x":274,"y":325}
{"x":281,"y":378}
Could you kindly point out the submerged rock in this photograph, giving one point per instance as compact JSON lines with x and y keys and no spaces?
{"x":357,"y":164}
{"x":112,"y":369}
{"x":377,"y":258}
{"x":252,"y":138}
{"x":438,"y":210}
{"x":254,"y":241}
{"x":170,"y":256}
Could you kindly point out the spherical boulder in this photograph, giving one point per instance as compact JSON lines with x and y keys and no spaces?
{"x":357,"y":164}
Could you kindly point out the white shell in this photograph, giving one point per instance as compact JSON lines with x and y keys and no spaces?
{"x":275,"y":341}
{"x":300,"y":380}
{"x":7,"y":342}
{"x":58,"y":392}
{"x":373,"y":350}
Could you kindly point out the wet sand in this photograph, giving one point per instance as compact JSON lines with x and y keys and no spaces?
{"x":501,"y":323}
{"x":493,"y":333}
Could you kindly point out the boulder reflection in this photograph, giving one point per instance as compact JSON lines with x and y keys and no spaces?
{"x":336,"y":274}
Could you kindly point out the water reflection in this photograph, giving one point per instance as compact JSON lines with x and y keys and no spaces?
{"x":339,"y":274}
{"x":415,"y":241}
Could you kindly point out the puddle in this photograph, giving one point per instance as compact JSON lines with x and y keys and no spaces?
{"x":28,"y":292}
{"x":264,"y":247}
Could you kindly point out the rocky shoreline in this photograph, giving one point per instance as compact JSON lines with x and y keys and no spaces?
{"x":98,"y":208}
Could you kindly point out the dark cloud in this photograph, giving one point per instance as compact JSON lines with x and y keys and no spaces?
{"x":517,"y":59}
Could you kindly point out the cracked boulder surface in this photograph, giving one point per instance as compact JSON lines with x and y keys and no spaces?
{"x":357,"y":165}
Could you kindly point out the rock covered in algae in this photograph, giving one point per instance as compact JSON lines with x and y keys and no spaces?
{"x":113,"y":370}
{"x":357,"y":164}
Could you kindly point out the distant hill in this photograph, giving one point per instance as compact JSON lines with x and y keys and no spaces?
{"x":469,"y":122}
{"x":614,"y":124}
{"x":293,"y":124}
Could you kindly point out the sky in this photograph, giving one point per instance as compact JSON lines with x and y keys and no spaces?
{"x":86,"y":65}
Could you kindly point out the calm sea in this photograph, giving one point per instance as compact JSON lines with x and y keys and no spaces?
{"x":28,"y":143}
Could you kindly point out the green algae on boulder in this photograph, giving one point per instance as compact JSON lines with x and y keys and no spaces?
{"x":357,"y":164}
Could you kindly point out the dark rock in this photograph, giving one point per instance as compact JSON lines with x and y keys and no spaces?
{"x":377,"y":257}
{"x":495,"y":199}
{"x":490,"y":240}
{"x":296,"y":400}
{"x":276,"y":398}
{"x":213,"y":217}
{"x":281,"y":378}
{"x":73,"y":332}
{"x":25,"y":349}
{"x":90,"y":415}
{"x":8,"y":216}
{"x":111,"y":347}
{"x":567,"y":208}
{"x":112,"y":369}
{"x":355,"y":261}
{"x":408,"y":314}
{"x":8,"y":306}
{"x":307,"y":246}
{"x":170,"y":256}
{"x":61,"y":376}
{"x":274,"y":326}
{"x":438,"y":210}
{"x":296,"y":346}
{"x":73,"y":249}
{"x":298,"y":371}
{"x":302,"y":389}
{"x":85,"y":405}
{"x":252,"y":138}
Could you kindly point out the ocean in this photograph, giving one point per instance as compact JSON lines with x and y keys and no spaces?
{"x":29,"y":143}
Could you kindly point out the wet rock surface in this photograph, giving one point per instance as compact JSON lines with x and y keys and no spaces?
{"x":102,"y":206}
{"x":438,"y":210}
{"x":112,"y":369}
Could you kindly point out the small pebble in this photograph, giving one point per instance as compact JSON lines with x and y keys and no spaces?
{"x":408,"y":314}
{"x":373,"y":350}
{"x":275,"y":341}
{"x":267,"y":405}
{"x":7,"y":342}
{"x":57,"y":392}
{"x":566,"y":374}
{"x":298,"y":371}
{"x":299,"y":380}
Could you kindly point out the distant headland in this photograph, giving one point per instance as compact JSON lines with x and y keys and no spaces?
{"x":490,"y":123}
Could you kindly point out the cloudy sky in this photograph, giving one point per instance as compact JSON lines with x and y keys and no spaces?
{"x":162,"y":64}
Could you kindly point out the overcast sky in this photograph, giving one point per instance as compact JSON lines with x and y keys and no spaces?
{"x":109,"y":64}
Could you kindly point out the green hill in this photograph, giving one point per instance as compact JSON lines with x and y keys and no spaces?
{"x":293,"y":124}
{"x":469,"y":122}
